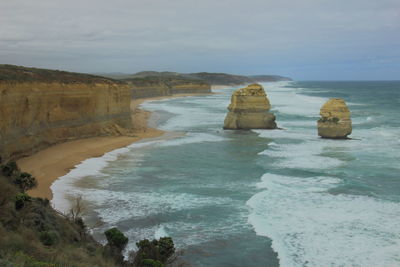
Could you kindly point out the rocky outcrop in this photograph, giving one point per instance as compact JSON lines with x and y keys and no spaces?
{"x":39,"y":108}
{"x":335,"y":119}
{"x":249,"y":109}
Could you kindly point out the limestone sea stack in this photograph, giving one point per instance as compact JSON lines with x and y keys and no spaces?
{"x":335,"y":120}
{"x":249,"y":109}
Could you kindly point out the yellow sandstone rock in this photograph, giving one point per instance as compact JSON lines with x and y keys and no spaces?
{"x":249,"y":109}
{"x":335,"y":119}
{"x":35,"y":115}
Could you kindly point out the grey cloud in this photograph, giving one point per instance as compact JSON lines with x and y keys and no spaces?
{"x":189,"y":35}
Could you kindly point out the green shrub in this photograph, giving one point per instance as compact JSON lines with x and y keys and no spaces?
{"x":6,"y":263}
{"x":44,"y":201}
{"x":25,"y":181}
{"x":22,"y":259}
{"x":156,"y":250}
{"x":20,"y":200}
{"x":152,"y":263}
{"x":116,"y":238}
{"x":9,"y":169}
{"x":335,"y":120}
{"x":49,"y":238}
{"x":166,"y":247}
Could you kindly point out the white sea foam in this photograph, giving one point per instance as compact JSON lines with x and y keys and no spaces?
{"x":310,"y":227}
{"x":142,"y":205}
{"x":305,"y":155}
{"x":197,"y":114}
{"x":287,"y":133}
{"x":289,"y":101}
{"x":161,"y":232}
{"x":63,"y":187}
{"x":191,"y":138}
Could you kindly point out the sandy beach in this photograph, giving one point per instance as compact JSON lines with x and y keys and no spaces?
{"x":53,"y":162}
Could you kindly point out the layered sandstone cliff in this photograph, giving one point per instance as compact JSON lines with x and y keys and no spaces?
{"x":152,"y":86}
{"x":249,"y":109}
{"x":39,"y":108}
{"x":335,"y":121}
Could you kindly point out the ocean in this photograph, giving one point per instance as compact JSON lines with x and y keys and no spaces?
{"x":259,"y":197}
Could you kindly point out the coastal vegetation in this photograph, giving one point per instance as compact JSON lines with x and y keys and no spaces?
{"x":33,"y":234}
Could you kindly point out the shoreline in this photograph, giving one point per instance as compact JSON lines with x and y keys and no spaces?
{"x":53,"y":162}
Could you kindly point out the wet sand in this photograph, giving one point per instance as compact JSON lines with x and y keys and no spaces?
{"x":53,"y":162}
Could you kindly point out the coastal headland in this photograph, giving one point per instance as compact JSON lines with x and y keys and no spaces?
{"x":52,"y":120}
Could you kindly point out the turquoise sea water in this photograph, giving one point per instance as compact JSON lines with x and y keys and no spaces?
{"x":261,"y":197}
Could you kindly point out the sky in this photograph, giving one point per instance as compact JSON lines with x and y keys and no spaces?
{"x":302,"y":39}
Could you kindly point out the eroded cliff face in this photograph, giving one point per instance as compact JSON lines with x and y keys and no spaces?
{"x":165,"y":86}
{"x":335,"y":121}
{"x":249,"y":109}
{"x":35,"y":115}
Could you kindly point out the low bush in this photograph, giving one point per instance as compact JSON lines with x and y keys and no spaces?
{"x":157,"y":251}
{"x":49,"y":238}
{"x":152,"y":263}
{"x":9,"y":169}
{"x":20,"y":200}
{"x":25,"y":181}
{"x":116,"y":239}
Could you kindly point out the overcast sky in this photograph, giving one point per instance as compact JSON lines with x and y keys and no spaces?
{"x":303,"y":39}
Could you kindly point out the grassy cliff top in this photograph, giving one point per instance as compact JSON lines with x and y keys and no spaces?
{"x":12,"y":73}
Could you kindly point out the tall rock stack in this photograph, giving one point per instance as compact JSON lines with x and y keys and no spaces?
{"x":335,"y":120}
{"x":249,"y":109}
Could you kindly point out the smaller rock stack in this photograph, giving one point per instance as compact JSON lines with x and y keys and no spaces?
{"x":335,"y":120}
{"x":249,"y":109}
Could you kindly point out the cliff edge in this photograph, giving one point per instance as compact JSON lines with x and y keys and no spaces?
{"x":335,"y":121}
{"x":249,"y":109}
{"x":166,"y":85}
{"x":41,"y":107}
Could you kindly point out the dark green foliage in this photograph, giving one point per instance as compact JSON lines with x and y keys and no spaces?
{"x":333,"y":120}
{"x":38,"y":236}
{"x":157,"y":250}
{"x":116,"y":239}
{"x":25,"y":181}
{"x":166,"y":246}
{"x":49,"y":238}
{"x":9,"y":169}
{"x":20,"y":200}
{"x":6,"y":263}
{"x":44,"y":201}
{"x":28,"y":261}
{"x":79,"y":221}
{"x":152,"y":263}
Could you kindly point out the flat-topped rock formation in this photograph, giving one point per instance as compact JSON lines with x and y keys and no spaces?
{"x":335,"y":119}
{"x":249,"y":109}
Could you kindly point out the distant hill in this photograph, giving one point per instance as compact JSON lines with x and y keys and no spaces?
{"x":208,"y":77}
{"x":221,"y":78}
{"x":269,"y":78}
